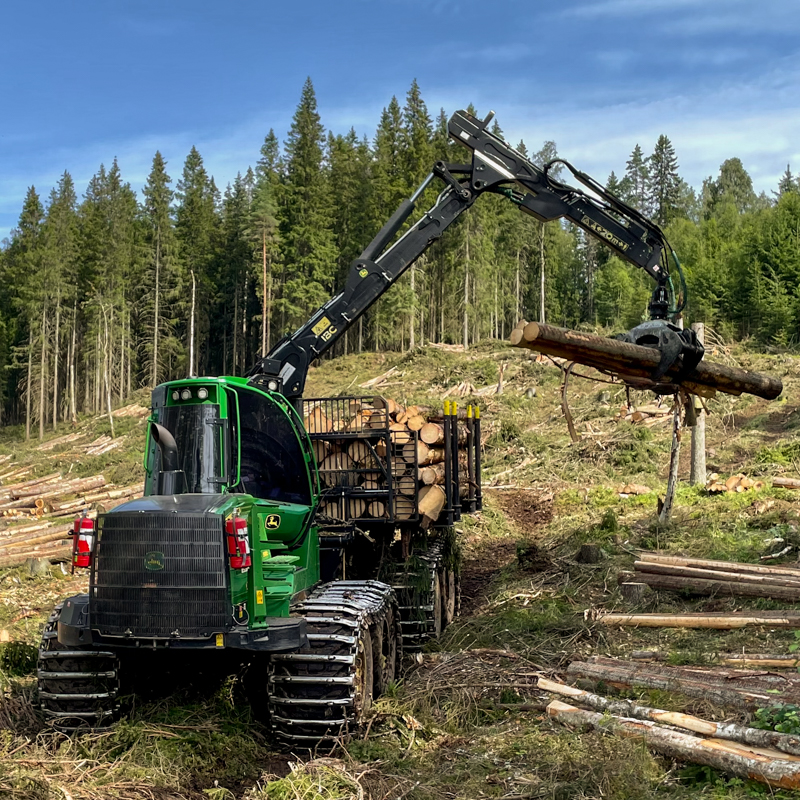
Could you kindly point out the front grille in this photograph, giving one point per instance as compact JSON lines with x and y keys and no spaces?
{"x":187,"y":595}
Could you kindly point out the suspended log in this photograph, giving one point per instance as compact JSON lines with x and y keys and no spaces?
{"x":636,"y":363}
{"x":783,"y":743}
{"x":731,"y":758}
{"x":713,"y":621}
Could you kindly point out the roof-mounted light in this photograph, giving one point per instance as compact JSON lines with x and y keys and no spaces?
{"x":202,"y":393}
{"x":186,"y":395}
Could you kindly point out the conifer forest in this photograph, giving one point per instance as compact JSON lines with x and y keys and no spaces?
{"x":106,"y":291}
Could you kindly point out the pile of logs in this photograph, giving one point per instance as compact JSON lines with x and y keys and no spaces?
{"x":706,"y":577}
{"x":736,"y":483}
{"x":350,"y":462}
{"x":53,"y":503}
{"x":767,"y":756}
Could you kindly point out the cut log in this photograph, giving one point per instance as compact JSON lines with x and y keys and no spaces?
{"x":337,"y":470}
{"x":711,"y":574}
{"x":729,"y":588}
{"x":355,"y":507}
{"x":715,"y":753}
{"x":404,"y":507}
{"x":726,"y":566}
{"x":638,"y":676}
{"x":29,"y":541}
{"x":321,"y":449}
{"x":415,"y":422}
{"x":783,"y":743}
{"x":317,"y":422}
{"x":406,"y":484}
{"x":408,"y":452}
{"x":360,"y":453}
{"x":430,"y":455}
{"x":376,"y":509}
{"x":431,"y":502}
{"x":371,"y":483}
{"x":59,"y":552}
{"x":780,"y":619}
{"x":636,"y":363}
{"x":786,"y":483}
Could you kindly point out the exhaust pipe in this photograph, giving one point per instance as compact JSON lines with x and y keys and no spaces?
{"x":170,"y":478}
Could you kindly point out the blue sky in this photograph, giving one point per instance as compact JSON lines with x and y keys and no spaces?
{"x":85,"y":82}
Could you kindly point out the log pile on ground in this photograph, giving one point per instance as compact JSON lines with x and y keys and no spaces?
{"x":635,"y":364}
{"x":705,"y":577}
{"x":414,"y":460}
{"x":766,"y":756}
{"x":53,"y":503}
{"x":736,"y":483}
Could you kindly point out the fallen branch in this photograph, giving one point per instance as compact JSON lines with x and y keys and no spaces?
{"x":699,"y":620}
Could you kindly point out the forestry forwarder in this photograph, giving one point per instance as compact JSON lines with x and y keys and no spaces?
{"x":227,"y":558}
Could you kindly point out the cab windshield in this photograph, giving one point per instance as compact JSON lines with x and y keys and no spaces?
{"x":198,"y":434}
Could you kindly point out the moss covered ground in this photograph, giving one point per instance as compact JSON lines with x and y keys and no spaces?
{"x":463,"y":721}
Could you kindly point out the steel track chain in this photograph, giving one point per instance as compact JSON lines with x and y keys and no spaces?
{"x":78,"y":688}
{"x":322,"y":692}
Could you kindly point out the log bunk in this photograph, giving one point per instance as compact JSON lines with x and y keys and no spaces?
{"x":382,"y":462}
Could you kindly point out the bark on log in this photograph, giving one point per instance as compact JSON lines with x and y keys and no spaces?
{"x":781,"y":742}
{"x":722,"y":575}
{"x":729,"y":588}
{"x":634,"y":677}
{"x":429,"y":455}
{"x":715,"y":753}
{"x":317,"y":422}
{"x":58,"y":553}
{"x":726,"y":566}
{"x":638,"y":363}
{"x":786,"y":483}
{"x":712,"y":621}
{"x":30,"y":540}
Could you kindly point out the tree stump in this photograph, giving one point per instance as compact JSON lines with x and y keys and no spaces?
{"x":590,"y":554}
{"x":634,"y":593}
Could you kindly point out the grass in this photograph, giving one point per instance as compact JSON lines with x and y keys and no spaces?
{"x":455,"y":726}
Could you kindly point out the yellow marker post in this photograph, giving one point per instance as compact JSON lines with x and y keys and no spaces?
{"x":447,"y":408}
{"x":454,"y":412}
{"x":469,"y":412}
{"x":477,"y":413}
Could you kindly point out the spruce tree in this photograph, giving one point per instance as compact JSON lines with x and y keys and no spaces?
{"x":664,"y":184}
{"x":637,"y":177}
{"x":787,"y":183}
{"x":309,"y":250}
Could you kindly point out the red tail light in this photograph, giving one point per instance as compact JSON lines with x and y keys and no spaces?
{"x":82,"y":542}
{"x":238,"y":543}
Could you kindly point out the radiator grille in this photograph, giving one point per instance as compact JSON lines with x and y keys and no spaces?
{"x":188,"y":594}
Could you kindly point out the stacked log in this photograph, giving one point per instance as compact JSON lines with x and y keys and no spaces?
{"x":736,"y":483}
{"x":706,"y":577}
{"x":412,"y":454}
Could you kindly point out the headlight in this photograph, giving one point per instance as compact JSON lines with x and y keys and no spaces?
{"x":186,"y":395}
{"x":176,"y":395}
{"x":202,"y":393}
{"x":273,"y":386}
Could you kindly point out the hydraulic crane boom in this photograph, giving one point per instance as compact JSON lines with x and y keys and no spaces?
{"x":495,"y":167}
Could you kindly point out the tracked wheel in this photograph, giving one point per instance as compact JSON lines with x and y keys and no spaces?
{"x":78,"y":687}
{"x":321,"y":694}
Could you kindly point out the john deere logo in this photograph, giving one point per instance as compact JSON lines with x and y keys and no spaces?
{"x":154,"y":560}
{"x":272,"y":521}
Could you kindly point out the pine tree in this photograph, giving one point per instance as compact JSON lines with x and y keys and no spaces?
{"x":787,"y":183}
{"x":664,"y":184}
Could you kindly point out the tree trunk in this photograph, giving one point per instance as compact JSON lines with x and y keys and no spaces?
{"x":128,"y":377}
{"x":42,"y":370}
{"x":263,"y":291}
{"x":154,"y":379}
{"x":541,"y":272}
{"x":29,"y":389}
{"x":191,"y":329}
{"x":712,"y":621}
{"x":412,"y":341}
{"x":55,"y":362}
{"x":106,"y":371}
{"x":466,"y":296}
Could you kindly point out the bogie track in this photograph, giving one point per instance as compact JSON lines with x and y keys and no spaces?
{"x":322,"y":692}
{"x":78,"y":688}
